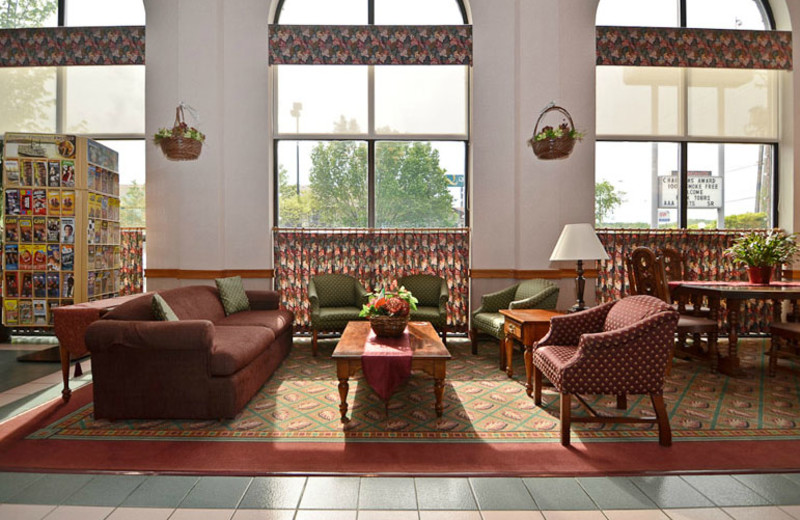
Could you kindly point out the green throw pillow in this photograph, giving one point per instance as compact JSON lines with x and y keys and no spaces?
{"x":162,"y":310}
{"x":231,"y":292}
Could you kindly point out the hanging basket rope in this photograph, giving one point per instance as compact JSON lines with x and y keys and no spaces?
{"x":177,"y":147}
{"x":549,"y":147}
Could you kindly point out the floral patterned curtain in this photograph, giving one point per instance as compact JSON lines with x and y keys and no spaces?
{"x":376,"y":257}
{"x":132,"y":251}
{"x":690,"y":47}
{"x":703,"y":251}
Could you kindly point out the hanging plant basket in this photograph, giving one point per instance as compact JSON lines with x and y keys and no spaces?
{"x":550,"y":142}
{"x":182,"y":142}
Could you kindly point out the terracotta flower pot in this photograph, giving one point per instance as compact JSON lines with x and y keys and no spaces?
{"x":759,"y":275}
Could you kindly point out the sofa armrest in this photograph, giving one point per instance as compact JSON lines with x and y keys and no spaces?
{"x":542,"y":300}
{"x":313,"y":299}
{"x":444,"y":296}
{"x":264,"y":300}
{"x":497,"y":300}
{"x":362,"y":296}
{"x":105,"y":335}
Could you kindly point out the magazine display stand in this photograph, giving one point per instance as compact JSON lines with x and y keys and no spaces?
{"x":61,"y":237}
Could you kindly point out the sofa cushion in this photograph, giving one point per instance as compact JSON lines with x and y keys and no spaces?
{"x":278,"y":320}
{"x":196,"y":302}
{"x":235,"y":347}
{"x":232,"y":295}
{"x":430,"y":314}
{"x":161,"y":309}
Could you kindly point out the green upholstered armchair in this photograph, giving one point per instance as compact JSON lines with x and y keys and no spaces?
{"x":530,"y":294}
{"x":335,"y":300}
{"x":432,"y":295}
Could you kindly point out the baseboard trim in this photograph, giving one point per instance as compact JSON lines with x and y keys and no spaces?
{"x":527,"y":274}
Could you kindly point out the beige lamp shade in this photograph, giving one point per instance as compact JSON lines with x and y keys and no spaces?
{"x":578,"y":242}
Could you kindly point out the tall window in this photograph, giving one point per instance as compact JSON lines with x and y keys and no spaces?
{"x":370,"y":145}
{"x":686,"y":147}
{"x":102,"y":102}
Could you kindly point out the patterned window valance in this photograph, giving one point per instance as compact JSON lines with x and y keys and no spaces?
{"x":370,"y":45}
{"x":67,"y":46}
{"x":674,"y":47}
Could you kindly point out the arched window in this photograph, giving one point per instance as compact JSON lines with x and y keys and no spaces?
{"x":103,"y":102}
{"x":685,"y":146}
{"x":366,"y":145}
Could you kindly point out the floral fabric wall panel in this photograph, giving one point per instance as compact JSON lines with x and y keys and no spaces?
{"x":132,"y":250}
{"x":684,"y":47}
{"x":370,"y":45}
{"x":703,"y":251}
{"x":376,"y":258}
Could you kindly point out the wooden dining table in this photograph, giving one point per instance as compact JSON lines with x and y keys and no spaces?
{"x":733,"y":294}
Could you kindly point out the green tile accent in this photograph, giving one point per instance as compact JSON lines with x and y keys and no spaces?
{"x":448,"y":494}
{"x":777,"y":489}
{"x":559,"y":494}
{"x":50,"y":489}
{"x":725,"y":490}
{"x":216,"y":493}
{"x":330,"y":493}
{"x":161,"y":491}
{"x":273,"y":493}
{"x":671,"y":492}
{"x":387,"y":493}
{"x":106,"y":490}
{"x":615,"y":493}
{"x":502,"y":494}
{"x":13,"y":483}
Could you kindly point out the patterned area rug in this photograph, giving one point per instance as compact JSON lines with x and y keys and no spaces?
{"x":300,"y":403}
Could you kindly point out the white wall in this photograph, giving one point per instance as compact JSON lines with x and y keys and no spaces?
{"x":213,"y":213}
{"x":527,"y":54}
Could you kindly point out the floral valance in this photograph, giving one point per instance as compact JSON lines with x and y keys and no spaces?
{"x":68,"y":46}
{"x":681,"y":47}
{"x":370,"y":45}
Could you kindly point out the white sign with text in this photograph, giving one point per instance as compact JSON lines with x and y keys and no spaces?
{"x":704,"y":191}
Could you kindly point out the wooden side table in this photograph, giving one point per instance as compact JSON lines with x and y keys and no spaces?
{"x":526,"y":326}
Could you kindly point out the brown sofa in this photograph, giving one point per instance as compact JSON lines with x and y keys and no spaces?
{"x":204,"y":366}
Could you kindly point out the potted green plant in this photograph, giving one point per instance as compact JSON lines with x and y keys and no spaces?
{"x":761,"y":252}
{"x":388,"y":311}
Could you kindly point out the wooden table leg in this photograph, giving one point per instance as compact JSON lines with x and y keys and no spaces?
{"x":439,"y":371}
{"x":343,"y":373}
{"x":729,"y":365}
{"x":66,"y":393}
{"x":509,"y":347}
{"x":529,"y":369}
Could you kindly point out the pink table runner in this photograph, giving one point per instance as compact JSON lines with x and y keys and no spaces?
{"x":386,"y":363}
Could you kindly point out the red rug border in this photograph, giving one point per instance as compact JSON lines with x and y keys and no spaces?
{"x":376,"y":458}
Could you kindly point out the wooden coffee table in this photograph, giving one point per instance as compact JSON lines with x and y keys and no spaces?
{"x":526,"y":326}
{"x":430,"y":355}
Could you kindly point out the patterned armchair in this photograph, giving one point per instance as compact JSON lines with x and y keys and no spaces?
{"x":335,"y":300}
{"x":432,"y":295}
{"x":618,"y":348}
{"x":530,"y":294}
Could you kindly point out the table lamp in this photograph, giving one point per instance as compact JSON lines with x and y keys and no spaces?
{"x":578,"y":242}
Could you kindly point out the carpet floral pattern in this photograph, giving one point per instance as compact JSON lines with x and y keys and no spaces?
{"x":300,"y":403}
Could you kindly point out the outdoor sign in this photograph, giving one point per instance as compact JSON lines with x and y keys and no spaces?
{"x":704,"y":191}
{"x":454,"y":180}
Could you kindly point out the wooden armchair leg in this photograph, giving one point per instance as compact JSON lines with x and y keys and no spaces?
{"x":566,"y":410}
{"x":537,"y":386}
{"x":473,"y":339}
{"x":773,"y":356}
{"x":713,"y":352}
{"x":444,"y":335}
{"x":314,"y":343}
{"x":622,"y":402}
{"x":664,"y":430}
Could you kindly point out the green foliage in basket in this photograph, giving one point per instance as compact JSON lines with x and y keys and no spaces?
{"x":389,"y":303}
{"x":180,"y":130}
{"x":562,"y":130}
{"x":764,"y":249}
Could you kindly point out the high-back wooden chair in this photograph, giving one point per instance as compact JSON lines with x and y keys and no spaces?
{"x":647,"y":275}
